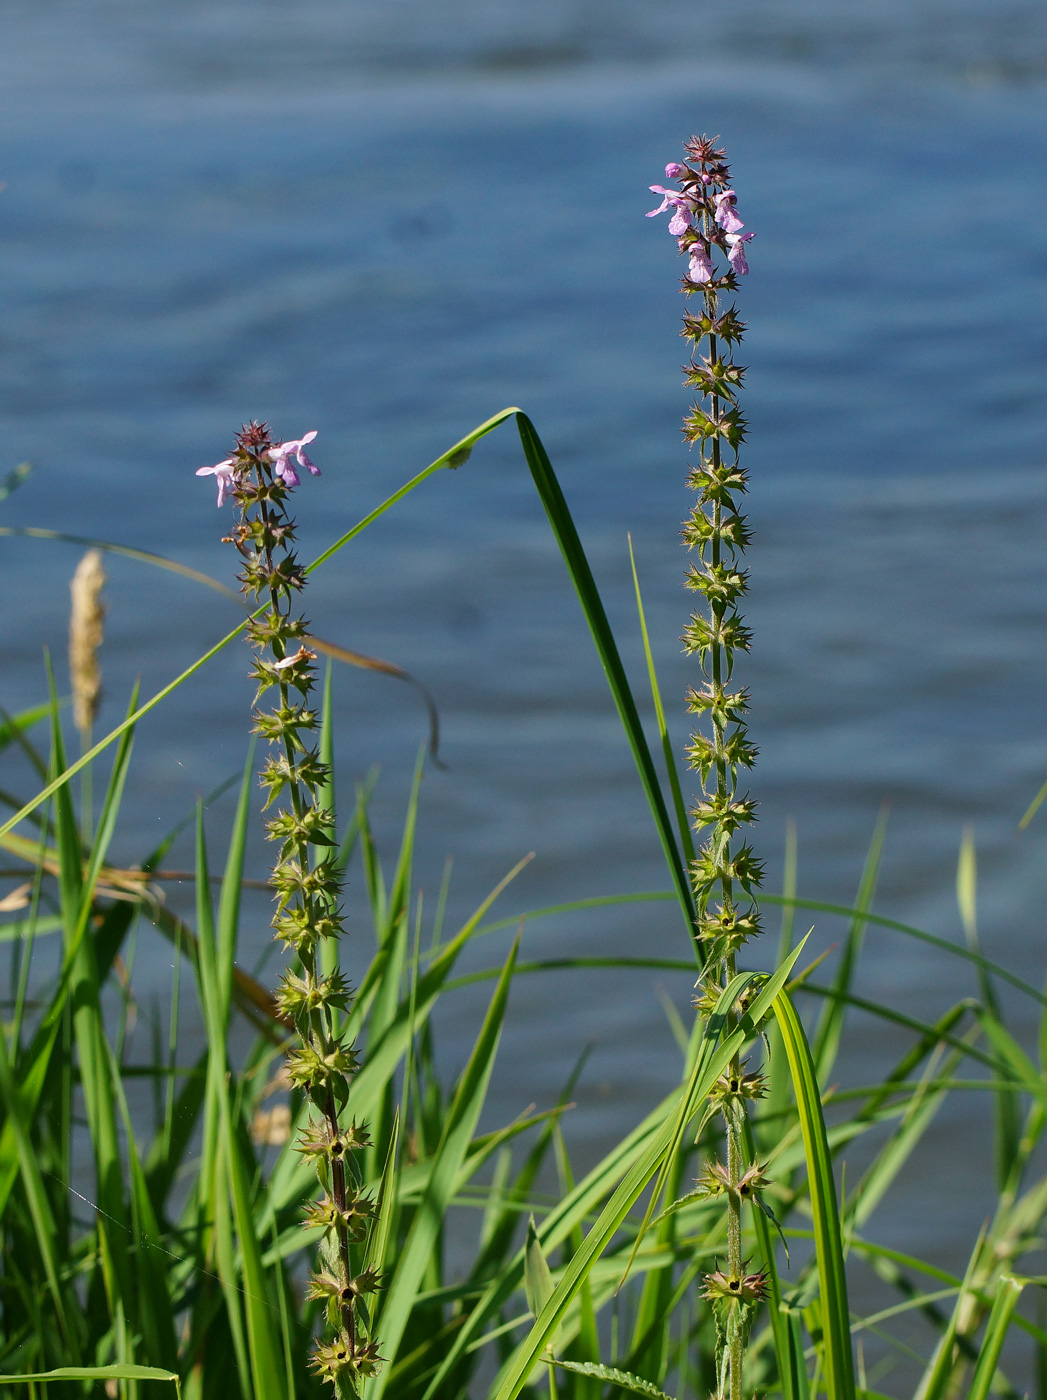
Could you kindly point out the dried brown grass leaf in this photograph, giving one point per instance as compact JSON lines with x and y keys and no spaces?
{"x":17,"y":899}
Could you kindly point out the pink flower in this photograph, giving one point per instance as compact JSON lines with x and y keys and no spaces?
{"x":736,"y":251}
{"x":683,"y":206}
{"x":285,"y":450}
{"x":674,"y":170}
{"x":725,"y":211}
{"x":672,"y":198}
{"x":699,"y":269}
{"x":228,"y":477}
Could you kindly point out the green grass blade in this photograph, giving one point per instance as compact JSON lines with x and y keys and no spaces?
{"x":1008,"y":1291}
{"x":25,"y":1163}
{"x":708,"y":1032}
{"x":15,"y":727}
{"x":380,"y":1063}
{"x":232,"y":885}
{"x":789,"y":1363}
{"x":598,"y":901}
{"x":1006,"y":1107}
{"x":97,"y":1373}
{"x":379,"y":1244}
{"x":414,"y":1258}
{"x":109,"y":813}
{"x":93,"y":1054}
{"x":935,"y":1381}
{"x":578,"y":1206}
{"x":624,"y":1380}
{"x":839,"y":1364}
{"x":454,"y":457}
{"x":538,"y":1281}
{"x":330,"y":951}
{"x":713,"y":1060}
{"x":889,"y":1161}
{"x":141,"y":556}
{"x":563,"y":527}
{"x":233,"y":1173}
{"x":956,"y":950}
{"x":683,"y":824}
{"x":1033,"y":807}
{"x":830,"y":1027}
{"x":33,"y":1070}
{"x":153,"y":1310}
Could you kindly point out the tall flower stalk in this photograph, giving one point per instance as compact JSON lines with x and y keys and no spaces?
{"x":725,"y":874}
{"x":306,"y":885}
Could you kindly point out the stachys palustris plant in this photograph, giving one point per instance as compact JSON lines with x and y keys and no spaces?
{"x":306,"y":883}
{"x":725,"y":874}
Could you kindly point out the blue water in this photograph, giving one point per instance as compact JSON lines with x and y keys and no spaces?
{"x":390,"y":222}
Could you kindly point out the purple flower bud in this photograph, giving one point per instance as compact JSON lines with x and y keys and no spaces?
{"x":674,"y":170}
{"x":699,"y":269}
{"x":725,"y":212}
{"x":736,"y":251}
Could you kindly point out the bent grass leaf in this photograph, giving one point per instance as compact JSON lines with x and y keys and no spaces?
{"x":563,"y":528}
{"x":581,"y":576}
{"x":62,"y":778}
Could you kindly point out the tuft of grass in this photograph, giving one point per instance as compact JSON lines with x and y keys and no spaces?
{"x":144,"y":1254}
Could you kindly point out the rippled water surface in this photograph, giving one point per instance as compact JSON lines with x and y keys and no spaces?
{"x":388,"y":222}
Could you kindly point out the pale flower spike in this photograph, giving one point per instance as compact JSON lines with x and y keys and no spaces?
{"x":704,"y":216}
{"x":725,"y":874}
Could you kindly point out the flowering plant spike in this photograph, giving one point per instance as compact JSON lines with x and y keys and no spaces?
{"x":705,"y":222}
{"x":306,"y":884}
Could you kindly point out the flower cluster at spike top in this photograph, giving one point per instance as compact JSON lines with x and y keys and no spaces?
{"x":306,"y":882}
{"x":725,"y":873}
{"x":705,"y":216}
